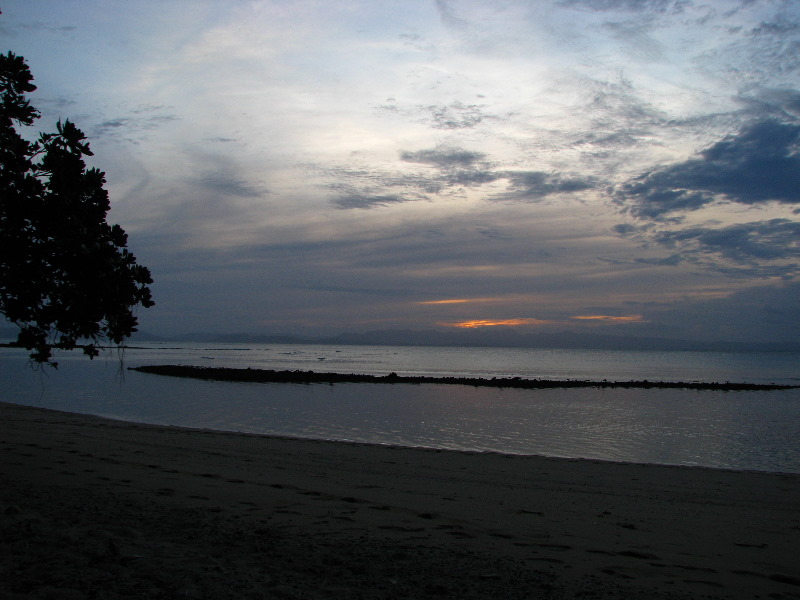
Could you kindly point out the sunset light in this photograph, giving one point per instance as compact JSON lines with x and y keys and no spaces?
{"x":459,"y":301}
{"x":310,"y":169}
{"x":496,"y":323}
{"x":521,"y":275}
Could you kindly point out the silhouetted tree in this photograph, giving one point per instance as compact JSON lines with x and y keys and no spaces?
{"x":66,"y":276}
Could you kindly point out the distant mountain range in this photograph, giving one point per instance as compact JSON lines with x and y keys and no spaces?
{"x":472,"y":337}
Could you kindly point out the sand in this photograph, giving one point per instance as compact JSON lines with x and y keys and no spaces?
{"x":95,"y":508}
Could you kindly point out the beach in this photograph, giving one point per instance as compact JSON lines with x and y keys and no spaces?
{"x":96,"y":508}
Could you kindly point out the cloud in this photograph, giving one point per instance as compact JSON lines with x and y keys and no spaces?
{"x":765,"y":313}
{"x":517,"y":322}
{"x":353,"y":198}
{"x":369,"y":188}
{"x":448,"y":167}
{"x":448,"y":17}
{"x":459,"y":301}
{"x":39,"y":26}
{"x":109,"y":126}
{"x":128,"y":127}
{"x":221,"y":140}
{"x":759,"y":164}
{"x":458,"y":167}
{"x":778,"y":103}
{"x":668,"y":261}
{"x":633,"y":6}
{"x":761,"y":249}
{"x":442,"y":157}
{"x":473,"y":324}
{"x":495,"y":234}
{"x":535,"y":185}
{"x":609,"y":318}
{"x":634,"y":35}
{"x":611,"y":125}
{"x":363,"y":188}
{"x":456,"y":116}
{"x":743,"y":243}
{"x":228,"y":184}
{"x":453,"y":167}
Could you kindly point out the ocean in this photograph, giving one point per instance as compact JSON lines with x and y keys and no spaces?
{"x":745,"y":430}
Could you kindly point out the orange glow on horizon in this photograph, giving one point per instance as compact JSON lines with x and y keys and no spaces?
{"x":496,"y":323}
{"x":458,"y":301}
{"x":624,"y":319}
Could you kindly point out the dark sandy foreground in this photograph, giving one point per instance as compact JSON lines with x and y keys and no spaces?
{"x":93,"y":508}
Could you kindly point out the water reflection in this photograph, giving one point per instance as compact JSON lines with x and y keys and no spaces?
{"x":743,"y":430}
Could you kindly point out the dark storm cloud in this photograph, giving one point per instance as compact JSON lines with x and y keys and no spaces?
{"x":760,"y":164}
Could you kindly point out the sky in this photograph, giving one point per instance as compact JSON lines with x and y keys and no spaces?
{"x":621,"y":167}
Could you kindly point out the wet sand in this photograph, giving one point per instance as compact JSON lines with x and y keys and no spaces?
{"x":95,"y":508}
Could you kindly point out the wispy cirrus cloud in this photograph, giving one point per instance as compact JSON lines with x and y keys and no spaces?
{"x":634,"y":6}
{"x":610,"y":318}
{"x":131,"y":126}
{"x":447,"y":168}
{"x":341,"y":164}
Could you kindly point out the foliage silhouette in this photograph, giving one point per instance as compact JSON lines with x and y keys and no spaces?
{"x":66,"y":275}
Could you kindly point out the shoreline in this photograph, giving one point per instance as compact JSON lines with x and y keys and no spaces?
{"x":272,"y":376}
{"x":400,"y":446}
{"x":94,"y":506}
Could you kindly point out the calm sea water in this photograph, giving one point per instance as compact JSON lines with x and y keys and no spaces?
{"x":738,"y":430}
